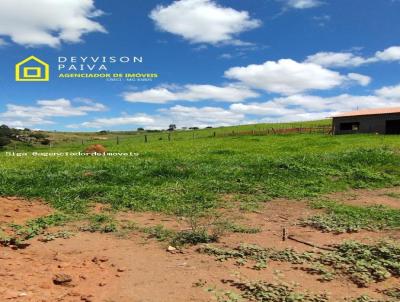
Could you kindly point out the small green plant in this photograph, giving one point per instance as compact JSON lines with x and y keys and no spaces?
{"x":236,"y":228}
{"x":261,"y":291}
{"x":393,"y":195}
{"x":193,"y":237}
{"x":343,"y":218}
{"x":102,"y":223}
{"x":37,"y":226}
{"x":158,"y":232}
{"x":392,"y":292}
{"x":261,"y":256}
{"x":52,"y":236}
{"x":361,"y":263}
{"x":325,"y":274}
{"x":366,"y":298}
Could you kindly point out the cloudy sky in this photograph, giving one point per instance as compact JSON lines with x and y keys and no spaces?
{"x":220,"y":62}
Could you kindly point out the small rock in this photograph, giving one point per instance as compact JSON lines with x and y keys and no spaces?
{"x":171,"y":249}
{"x":101,"y":284}
{"x":62,"y":279}
{"x":121,"y":270}
{"x":87,"y":298}
{"x":100,"y":259}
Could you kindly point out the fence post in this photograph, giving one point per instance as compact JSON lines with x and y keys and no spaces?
{"x":117,"y":140}
{"x":215,"y":134}
{"x":169,"y":136}
{"x":82,"y":143}
{"x":145,"y":138}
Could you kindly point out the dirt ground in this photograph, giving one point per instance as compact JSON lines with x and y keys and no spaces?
{"x":108,"y":267}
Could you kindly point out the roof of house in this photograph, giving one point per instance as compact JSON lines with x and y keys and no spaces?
{"x":375,"y":111}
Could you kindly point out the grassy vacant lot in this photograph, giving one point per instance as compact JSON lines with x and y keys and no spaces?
{"x":188,"y":177}
{"x":168,"y":176}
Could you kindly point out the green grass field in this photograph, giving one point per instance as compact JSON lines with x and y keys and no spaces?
{"x":172,"y":176}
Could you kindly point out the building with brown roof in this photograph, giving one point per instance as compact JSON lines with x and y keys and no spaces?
{"x":382,"y":121}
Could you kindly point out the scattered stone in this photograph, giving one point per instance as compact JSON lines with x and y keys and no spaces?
{"x":100,"y":259}
{"x":101,"y":284}
{"x":121,"y":270}
{"x":171,"y":249}
{"x":87,"y":298}
{"x":62,"y":279}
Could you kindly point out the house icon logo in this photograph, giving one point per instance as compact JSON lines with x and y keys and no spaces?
{"x":32,"y":69}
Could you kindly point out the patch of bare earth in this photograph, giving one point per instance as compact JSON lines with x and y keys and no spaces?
{"x":15,"y":210}
{"x":389,"y":197}
{"x":104,"y":267}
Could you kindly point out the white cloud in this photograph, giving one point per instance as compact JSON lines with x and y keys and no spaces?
{"x":162,"y":95}
{"x":47,"y":22}
{"x":348,"y":59}
{"x":298,"y":107}
{"x":336,"y":59}
{"x":41,"y":114}
{"x":389,"y":54}
{"x":309,"y":107}
{"x":109,"y":123}
{"x":363,"y":80}
{"x":203,"y":117}
{"x":203,"y":21}
{"x":303,"y":4}
{"x":390,"y":92}
{"x":286,"y":76}
{"x":182,"y":116}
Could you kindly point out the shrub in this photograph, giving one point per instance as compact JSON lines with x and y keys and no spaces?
{"x":4,"y":141}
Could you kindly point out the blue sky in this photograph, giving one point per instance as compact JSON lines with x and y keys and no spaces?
{"x":220,"y":62}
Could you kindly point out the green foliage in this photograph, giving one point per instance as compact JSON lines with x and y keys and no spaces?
{"x":364,"y":263}
{"x":193,"y":237}
{"x":393,"y":195}
{"x":364,"y":298}
{"x":392,"y":292}
{"x":158,"y":232}
{"x":52,"y":236}
{"x":20,"y":233}
{"x":37,"y":226}
{"x":261,"y":256}
{"x":4,"y":141}
{"x":361,"y":263}
{"x":237,"y":228}
{"x":102,"y":223}
{"x":261,"y":291}
{"x":344,"y":218}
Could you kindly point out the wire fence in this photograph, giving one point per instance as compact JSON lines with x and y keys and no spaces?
{"x":156,"y":136}
{"x":148,"y":137}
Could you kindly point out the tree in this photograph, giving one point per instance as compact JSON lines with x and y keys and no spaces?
{"x":45,"y":142}
{"x":4,"y":141}
{"x":140,"y":129}
{"x":172,"y":127}
{"x":5,"y":131}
